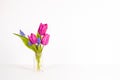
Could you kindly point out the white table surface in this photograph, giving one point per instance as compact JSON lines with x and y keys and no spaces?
{"x":61,"y":72}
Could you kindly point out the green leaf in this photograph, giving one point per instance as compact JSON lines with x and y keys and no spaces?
{"x":25,"y":41}
{"x":34,"y":47}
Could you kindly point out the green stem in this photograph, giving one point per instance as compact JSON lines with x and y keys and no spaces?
{"x":38,"y":61}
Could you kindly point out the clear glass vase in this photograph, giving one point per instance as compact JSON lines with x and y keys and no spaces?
{"x":37,"y":61}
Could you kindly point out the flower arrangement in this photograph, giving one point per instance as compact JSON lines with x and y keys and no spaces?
{"x":36,"y":42}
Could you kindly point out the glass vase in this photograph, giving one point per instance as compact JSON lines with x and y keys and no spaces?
{"x":37,"y":61}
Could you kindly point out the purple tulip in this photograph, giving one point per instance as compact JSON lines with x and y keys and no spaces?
{"x":42,"y":29}
{"x":45,"y":39}
{"x":33,"y":38}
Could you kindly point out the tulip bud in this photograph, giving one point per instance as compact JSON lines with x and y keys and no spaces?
{"x":33,"y":38}
{"x":45,"y":39}
{"x":42,"y":29}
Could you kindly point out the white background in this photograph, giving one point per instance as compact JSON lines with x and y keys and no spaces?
{"x":81,"y":31}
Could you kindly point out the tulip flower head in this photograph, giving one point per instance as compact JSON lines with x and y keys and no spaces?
{"x":42,"y":29}
{"x":45,"y":39}
{"x":33,"y":38}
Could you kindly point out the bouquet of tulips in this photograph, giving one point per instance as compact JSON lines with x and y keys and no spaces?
{"x":36,"y":42}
